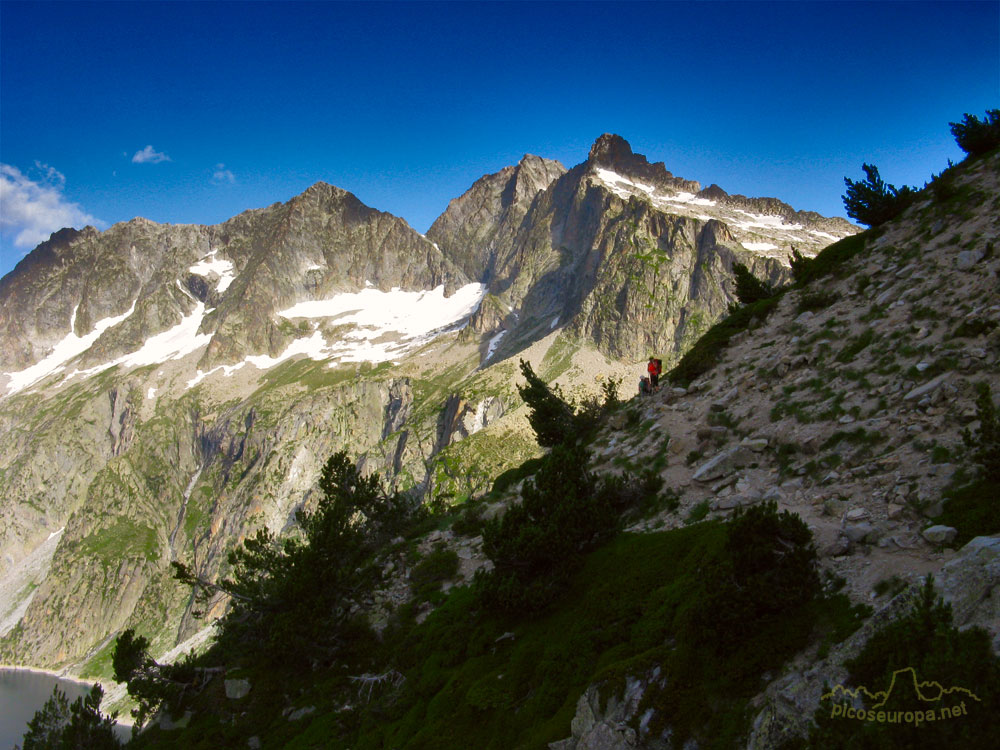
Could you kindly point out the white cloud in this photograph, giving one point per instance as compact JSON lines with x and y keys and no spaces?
{"x":32,"y":209}
{"x":222,"y":176}
{"x":149,"y":156}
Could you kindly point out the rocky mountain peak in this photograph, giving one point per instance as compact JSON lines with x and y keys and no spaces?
{"x":610,"y":149}
{"x":613,"y":153}
{"x":713,"y":193}
{"x":489,"y":213}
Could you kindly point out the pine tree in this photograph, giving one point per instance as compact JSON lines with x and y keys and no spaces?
{"x":61,"y":725}
{"x":749,"y":288}
{"x":550,"y":416}
{"x":874,"y":202}
{"x":977,"y":137}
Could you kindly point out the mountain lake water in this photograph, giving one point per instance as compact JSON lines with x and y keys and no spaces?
{"x":23,"y":692}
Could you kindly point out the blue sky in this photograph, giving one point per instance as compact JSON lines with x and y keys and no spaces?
{"x":193,"y":112}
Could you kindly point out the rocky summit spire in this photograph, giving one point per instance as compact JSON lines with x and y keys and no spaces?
{"x":611,"y":149}
{"x":614,"y":153}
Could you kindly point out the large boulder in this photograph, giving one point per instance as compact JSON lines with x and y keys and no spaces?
{"x":724,"y":463}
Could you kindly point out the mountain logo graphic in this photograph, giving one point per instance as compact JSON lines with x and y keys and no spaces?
{"x":904,"y":684}
{"x":928,"y":691}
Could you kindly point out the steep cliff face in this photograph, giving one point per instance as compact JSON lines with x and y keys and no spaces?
{"x":624,"y":254}
{"x":485,"y":217}
{"x":187,"y":486}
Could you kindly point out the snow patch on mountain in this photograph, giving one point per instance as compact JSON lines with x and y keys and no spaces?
{"x":765,"y":221}
{"x":411,"y":314}
{"x":768,"y":234}
{"x":623,"y":187}
{"x":70,"y":347}
{"x":211,"y":266}
{"x":386,"y":325}
{"x":174,"y":343}
{"x":494,"y":343}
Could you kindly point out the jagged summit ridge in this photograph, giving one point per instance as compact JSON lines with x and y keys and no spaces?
{"x":614,"y":153}
{"x":763,"y":225}
{"x":226,"y":284}
{"x":85,"y":301}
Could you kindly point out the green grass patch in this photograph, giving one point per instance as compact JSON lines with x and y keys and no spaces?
{"x":559,"y":358}
{"x":858,"y":436}
{"x":815,"y":301}
{"x":122,"y":540}
{"x":698,"y":512}
{"x":969,"y":329}
{"x":852,"y":349}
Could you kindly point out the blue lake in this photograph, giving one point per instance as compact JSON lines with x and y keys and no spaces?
{"x":22,"y":693}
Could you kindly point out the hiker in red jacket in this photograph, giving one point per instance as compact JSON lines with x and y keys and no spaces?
{"x":654,"y":368}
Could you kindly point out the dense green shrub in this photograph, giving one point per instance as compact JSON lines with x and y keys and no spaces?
{"x":152,"y":685}
{"x":971,"y":506}
{"x":554,"y":420}
{"x":817,"y":301}
{"x":799,"y":263}
{"x":749,"y":288}
{"x":550,"y":416}
{"x":60,"y":725}
{"x":440,"y":565}
{"x":926,"y":642}
{"x":469,"y":521}
{"x":977,"y":137}
{"x":873,"y":201}
{"x":971,"y":328}
{"x":565,"y":512}
{"x":768,"y":568}
{"x":516,"y":474}
{"x":832,"y":260}
{"x":984,"y":444}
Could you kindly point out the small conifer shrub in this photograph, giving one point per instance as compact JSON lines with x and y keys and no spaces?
{"x":984,"y":444}
{"x":873,"y":201}
{"x":977,"y":137}
{"x":749,"y":288}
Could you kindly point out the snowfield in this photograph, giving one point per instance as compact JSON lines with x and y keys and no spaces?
{"x":71,"y":346}
{"x":767,"y":234}
{"x":383,"y":325}
{"x":210,"y":265}
{"x":379,"y":326}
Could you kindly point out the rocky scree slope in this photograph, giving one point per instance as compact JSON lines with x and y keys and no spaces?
{"x":846,"y":406}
